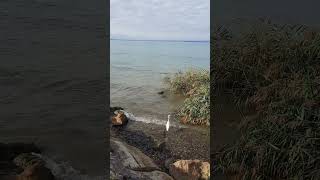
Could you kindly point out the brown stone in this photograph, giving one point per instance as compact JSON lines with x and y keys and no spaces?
{"x":184,"y":119}
{"x":119,"y":119}
{"x":36,"y":171}
{"x":190,"y":170}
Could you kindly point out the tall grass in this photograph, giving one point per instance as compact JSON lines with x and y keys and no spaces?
{"x":276,"y":70}
{"x":194,"y":85}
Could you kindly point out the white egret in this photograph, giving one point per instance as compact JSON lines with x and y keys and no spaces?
{"x":168,"y":123}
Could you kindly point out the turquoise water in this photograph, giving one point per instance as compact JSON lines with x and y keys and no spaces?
{"x":137,"y":70}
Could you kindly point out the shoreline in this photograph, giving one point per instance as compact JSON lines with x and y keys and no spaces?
{"x":148,"y":137}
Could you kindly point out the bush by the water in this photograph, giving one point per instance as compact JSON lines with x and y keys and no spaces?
{"x":275,"y":69}
{"x":194,"y":84}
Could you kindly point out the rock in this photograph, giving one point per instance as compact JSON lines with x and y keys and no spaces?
{"x":7,"y":154}
{"x":190,"y":170}
{"x":128,"y":162}
{"x":158,"y":145}
{"x":161,"y":92}
{"x":116,"y":108}
{"x":36,"y":171}
{"x":168,"y":162}
{"x":33,"y":167}
{"x":161,"y":146}
{"x":27,"y":159}
{"x":119,"y":119}
{"x":184,"y":119}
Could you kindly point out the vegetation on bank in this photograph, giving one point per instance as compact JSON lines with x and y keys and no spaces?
{"x":276,"y":70}
{"x":194,"y":85}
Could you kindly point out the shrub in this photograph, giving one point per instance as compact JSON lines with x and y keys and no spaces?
{"x":194,"y":84}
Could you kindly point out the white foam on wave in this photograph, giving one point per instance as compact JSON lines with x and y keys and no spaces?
{"x":150,"y":120}
{"x":64,"y":171}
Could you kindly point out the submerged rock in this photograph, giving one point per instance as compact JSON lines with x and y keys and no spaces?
{"x":119,"y":119}
{"x":128,"y":162}
{"x":19,"y":162}
{"x":190,"y":170}
{"x":161,"y":92}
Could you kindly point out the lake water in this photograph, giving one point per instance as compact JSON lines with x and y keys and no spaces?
{"x":53,"y":82}
{"x":138,"y":69}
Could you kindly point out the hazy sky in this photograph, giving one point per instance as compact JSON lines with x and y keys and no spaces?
{"x":160,"y":19}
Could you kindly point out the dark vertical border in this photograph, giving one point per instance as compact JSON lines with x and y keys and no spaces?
{"x":211,"y":85}
{"x":108,"y":87}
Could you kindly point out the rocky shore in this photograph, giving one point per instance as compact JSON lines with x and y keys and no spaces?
{"x":182,"y":154}
{"x":138,"y":151}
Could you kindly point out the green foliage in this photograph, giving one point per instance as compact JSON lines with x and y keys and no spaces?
{"x":275,"y":69}
{"x":194,"y":84}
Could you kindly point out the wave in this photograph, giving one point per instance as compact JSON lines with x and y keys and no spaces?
{"x":150,"y":120}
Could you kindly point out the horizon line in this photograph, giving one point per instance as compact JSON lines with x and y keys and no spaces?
{"x":159,"y":40}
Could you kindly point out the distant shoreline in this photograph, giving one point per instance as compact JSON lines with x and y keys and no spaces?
{"x":159,"y":40}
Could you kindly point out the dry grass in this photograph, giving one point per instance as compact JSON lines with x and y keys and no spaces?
{"x":275,"y":69}
{"x":194,"y":84}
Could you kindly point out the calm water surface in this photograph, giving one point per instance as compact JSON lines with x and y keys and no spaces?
{"x":138,"y":69}
{"x":52,"y":81}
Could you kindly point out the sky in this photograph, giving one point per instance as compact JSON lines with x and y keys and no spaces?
{"x":160,"y":19}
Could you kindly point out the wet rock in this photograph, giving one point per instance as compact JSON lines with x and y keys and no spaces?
{"x":119,"y":119}
{"x":157,"y":144}
{"x":27,"y":159}
{"x":160,"y":146}
{"x":128,"y":162}
{"x":161,"y":92}
{"x":116,"y":108}
{"x":168,"y":162}
{"x":190,"y":170}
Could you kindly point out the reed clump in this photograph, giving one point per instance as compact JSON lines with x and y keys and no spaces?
{"x":194,"y":85}
{"x":275,"y":69}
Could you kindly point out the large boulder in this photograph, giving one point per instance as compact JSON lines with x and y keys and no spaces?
{"x":190,"y":170}
{"x":128,"y":162}
{"x":119,"y":119}
{"x":33,"y":167}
